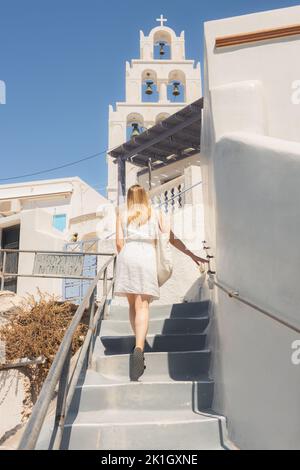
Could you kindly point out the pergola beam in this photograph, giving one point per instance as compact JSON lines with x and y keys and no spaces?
{"x":172,"y":137}
{"x":191,"y":135}
{"x":162,"y":149}
{"x":159,"y":138}
{"x":139,"y":160}
{"x":161,"y":165}
{"x":185,"y":143}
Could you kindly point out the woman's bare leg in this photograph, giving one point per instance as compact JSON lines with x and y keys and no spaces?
{"x":141,"y":320}
{"x":131,"y":302}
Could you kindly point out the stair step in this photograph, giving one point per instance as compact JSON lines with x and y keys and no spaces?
{"x":156,"y":326}
{"x":144,"y":396}
{"x":126,"y":430}
{"x":93,"y":378}
{"x":163,"y":343}
{"x":184,"y":310}
{"x":184,"y":365}
{"x":168,"y":408}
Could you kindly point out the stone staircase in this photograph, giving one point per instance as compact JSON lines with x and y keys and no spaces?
{"x":169,"y":407}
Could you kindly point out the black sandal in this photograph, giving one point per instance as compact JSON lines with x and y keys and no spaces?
{"x":137,"y":365}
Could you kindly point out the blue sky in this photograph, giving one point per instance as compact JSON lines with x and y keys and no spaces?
{"x":63,"y":62}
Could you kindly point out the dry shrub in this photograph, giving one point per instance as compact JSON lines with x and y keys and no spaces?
{"x":38,"y":329}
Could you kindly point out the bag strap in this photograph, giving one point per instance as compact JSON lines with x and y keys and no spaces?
{"x":158,"y":227}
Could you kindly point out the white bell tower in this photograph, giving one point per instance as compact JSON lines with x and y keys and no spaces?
{"x":158,"y":84}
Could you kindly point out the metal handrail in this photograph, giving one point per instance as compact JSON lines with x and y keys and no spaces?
{"x":236,"y":295}
{"x":5,"y":251}
{"x":232,"y":293}
{"x":60,"y":368}
{"x":49,"y":252}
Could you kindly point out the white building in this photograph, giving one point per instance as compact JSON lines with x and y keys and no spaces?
{"x":46,"y":215}
{"x":159,"y":141}
{"x":161,"y":75}
{"x":251,"y":173}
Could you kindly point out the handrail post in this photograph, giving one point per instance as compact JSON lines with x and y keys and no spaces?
{"x":91,"y":325}
{"x":61,"y":402}
{"x":210,"y":273}
{"x":3,"y":271}
{"x":105,"y":293}
{"x":114,"y":276}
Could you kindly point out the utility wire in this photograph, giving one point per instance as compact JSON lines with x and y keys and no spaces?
{"x":41,"y":172}
{"x":75,"y":162}
{"x":66,"y":165}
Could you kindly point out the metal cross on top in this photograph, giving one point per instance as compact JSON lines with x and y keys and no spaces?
{"x":162,"y":20}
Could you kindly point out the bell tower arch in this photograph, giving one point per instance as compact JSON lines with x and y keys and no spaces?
{"x":159,"y":83}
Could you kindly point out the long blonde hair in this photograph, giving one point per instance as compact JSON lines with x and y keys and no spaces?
{"x":138,"y":205}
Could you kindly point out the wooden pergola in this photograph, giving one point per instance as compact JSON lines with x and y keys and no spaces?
{"x":172,"y":139}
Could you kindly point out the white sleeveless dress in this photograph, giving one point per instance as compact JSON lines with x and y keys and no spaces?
{"x":136,"y":270}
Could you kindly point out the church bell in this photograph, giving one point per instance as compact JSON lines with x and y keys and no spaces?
{"x":161,"y":51}
{"x":135,"y":129}
{"x":176,"y":91}
{"x":149,"y":90}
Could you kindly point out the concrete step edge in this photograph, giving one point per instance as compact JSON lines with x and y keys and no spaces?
{"x":155,"y":335}
{"x":161,"y":306}
{"x":152,"y":353}
{"x":155,"y":420}
{"x":138,"y":384}
{"x":115,"y":320}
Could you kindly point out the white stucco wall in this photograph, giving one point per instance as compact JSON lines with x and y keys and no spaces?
{"x":258,"y":213}
{"x":271,"y":62}
{"x":251,"y":165}
{"x":35,"y":203}
{"x":37,"y":234}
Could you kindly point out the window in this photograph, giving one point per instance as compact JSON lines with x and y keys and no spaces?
{"x":59,"y":221}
